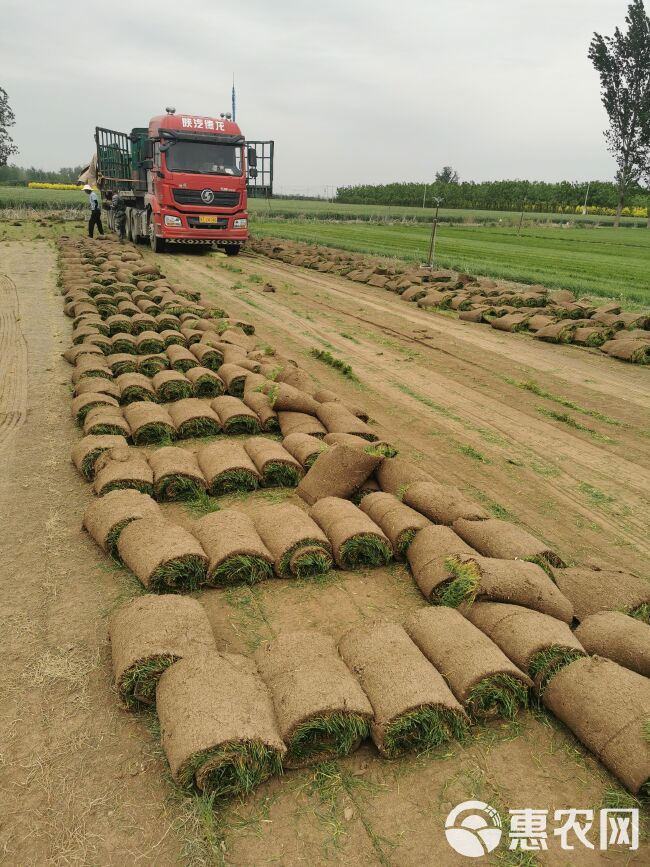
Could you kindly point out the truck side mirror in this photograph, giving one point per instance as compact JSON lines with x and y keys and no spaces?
{"x":252,"y":158}
{"x":252,"y":173}
{"x":146,"y":164}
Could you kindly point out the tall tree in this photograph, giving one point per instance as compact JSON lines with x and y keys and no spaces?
{"x":7,"y":118}
{"x":447,"y":176}
{"x":623,"y":64}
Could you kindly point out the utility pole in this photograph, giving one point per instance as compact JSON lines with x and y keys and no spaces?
{"x":584,"y":207}
{"x":424,"y":197}
{"x":521,"y":218}
{"x":434,"y":226}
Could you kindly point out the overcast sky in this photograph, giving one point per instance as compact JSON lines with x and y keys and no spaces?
{"x":352,"y":91}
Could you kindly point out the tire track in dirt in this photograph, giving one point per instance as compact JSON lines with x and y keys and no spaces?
{"x":528,"y":433}
{"x":13,"y":362}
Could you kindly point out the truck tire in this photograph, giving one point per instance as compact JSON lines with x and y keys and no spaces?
{"x":157,"y":244}
{"x":232,"y":249}
{"x":134,"y":227}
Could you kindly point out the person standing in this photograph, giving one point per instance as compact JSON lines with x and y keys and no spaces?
{"x":95,"y":212}
{"x":118,"y":207}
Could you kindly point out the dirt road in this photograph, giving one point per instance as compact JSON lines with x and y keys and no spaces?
{"x":84,"y":780}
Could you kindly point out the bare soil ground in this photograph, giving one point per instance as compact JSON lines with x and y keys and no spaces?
{"x":83,"y":780}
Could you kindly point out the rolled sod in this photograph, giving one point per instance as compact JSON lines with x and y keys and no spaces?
{"x":300,"y":422}
{"x":100,"y":340}
{"x":235,"y":549}
{"x":338,"y":472}
{"x":261,"y":406}
{"x":479,"y":674}
{"x":634,"y":351}
{"x":377,"y":447}
{"x":297,"y":544}
{"x":176,"y":474}
{"x":414,"y":709}
{"x":96,"y":385}
{"x":165,"y":557}
{"x":227,"y":468}
{"x":607,"y":708}
{"x":166,"y":321}
{"x":207,"y":356}
{"x":194,"y":418}
{"x":79,"y":334}
{"x":234,"y":378}
{"x":427,"y":556}
{"x":87,"y":450}
{"x":399,"y":522}
{"x":71,"y":355}
{"x":506,"y":541}
{"x":537,"y":644}
{"x":135,"y":387}
{"x":441,"y":504}
{"x":293,"y":375}
{"x":235,"y":417}
{"x":122,"y":467}
{"x":106,"y":517}
{"x":324,"y":395}
{"x":170,"y":337}
{"x":337,"y":418}
{"x":149,"y":422}
{"x":617,"y":637}
{"x":304,"y":448}
{"x":82,"y":404}
{"x":149,"y":634}
{"x":106,"y":420}
{"x":356,"y":540}
{"x":217,"y":723}
{"x":558,"y":332}
{"x":273,"y":462}
{"x":396,"y":474}
{"x":205,"y":382}
{"x":124,"y":343}
{"x":180,"y":358}
{"x":150,"y":365}
{"x":171,"y":385}
{"x":122,"y":362}
{"x":287,"y":398}
{"x":149,"y":343}
{"x":118,"y":323}
{"x":90,"y":366}
{"x":322,"y":712}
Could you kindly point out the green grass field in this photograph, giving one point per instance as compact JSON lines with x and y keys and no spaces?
{"x":605,"y":262}
{"x":41,"y":200}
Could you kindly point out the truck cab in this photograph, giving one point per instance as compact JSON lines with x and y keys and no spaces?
{"x":185,"y":179}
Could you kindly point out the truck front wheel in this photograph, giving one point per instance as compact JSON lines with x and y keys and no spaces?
{"x":232,"y":249}
{"x":157,"y":244}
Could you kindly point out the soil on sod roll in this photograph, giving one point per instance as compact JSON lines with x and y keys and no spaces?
{"x":235,"y":549}
{"x":149,"y":422}
{"x":304,"y":448}
{"x":399,"y":522}
{"x":122,"y":467}
{"x":180,"y":358}
{"x":287,"y":398}
{"x":147,"y":635}
{"x":479,"y":674}
{"x":234,"y":378}
{"x":207,"y":356}
{"x":338,"y":472}
{"x":414,"y":709}
{"x":165,"y":557}
{"x":150,"y":365}
{"x":537,"y":644}
{"x":106,"y":517}
{"x":337,"y":418}
{"x":235,"y":416}
{"x":396,"y":474}
{"x":90,"y":366}
{"x":176,"y":474}
{"x":134,"y":387}
{"x":172,"y":337}
{"x":227,"y":468}
{"x":76,"y":351}
{"x":106,"y":420}
{"x":441,"y":504}
{"x":377,"y":447}
{"x":81,"y":405}
{"x":149,"y":343}
{"x":300,"y":422}
{"x":321,"y":710}
{"x":273,"y":462}
{"x":124,"y":343}
{"x":86,"y":452}
{"x":617,"y":637}
{"x":427,"y":556}
{"x":356,"y":540}
{"x":205,"y":382}
{"x":297,"y":544}
{"x":607,"y":708}
{"x":324,"y":395}
{"x":171,"y":385}
{"x":595,"y":590}
{"x":96,"y":385}
{"x":194,"y":418}
{"x":496,"y":538}
{"x":261,"y":406}
{"x":217,"y":724}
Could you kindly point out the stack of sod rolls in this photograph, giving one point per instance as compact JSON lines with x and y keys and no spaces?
{"x":235,"y":550}
{"x":356,"y":540}
{"x":297,"y":544}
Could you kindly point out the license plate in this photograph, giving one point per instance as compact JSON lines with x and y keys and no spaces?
{"x":207,"y":219}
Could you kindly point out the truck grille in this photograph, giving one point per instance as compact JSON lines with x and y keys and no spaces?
{"x":222,"y":198}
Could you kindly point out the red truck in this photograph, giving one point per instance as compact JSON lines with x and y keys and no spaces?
{"x":185,"y":178}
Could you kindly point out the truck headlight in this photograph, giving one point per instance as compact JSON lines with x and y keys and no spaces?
{"x":172,"y":221}
{"x":240,"y":224}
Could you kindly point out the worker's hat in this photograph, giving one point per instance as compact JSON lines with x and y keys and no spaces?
{"x":87,"y":188}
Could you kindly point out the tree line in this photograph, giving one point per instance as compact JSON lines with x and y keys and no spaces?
{"x":16,"y":176}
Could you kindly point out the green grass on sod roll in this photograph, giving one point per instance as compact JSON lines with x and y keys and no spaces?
{"x":96,"y":374}
{"x":365,"y":550}
{"x":113,"y":538}
{"x":271,"y":425}
{"x":311,"y":460}
{"x":423,"y":729}
{"x":174,"y":340}
{"x":106,"y":428}
{"x":241,"y":569}
{"x":308,"y":565}
{"x":184,"y":364}
{"x":129,"y":485}
{"x":151,"y":346}
{"x":280,"y":475}
{"x":212,"y":360}
{"x":202,"y":504}
{"x":208,"y":386}
{"x":85,"y":409}
{"x":182,"y":575}
{"x":542,"y":563}
{"x":198,"y":427}
{"x":232,"y":481}
{"x":642,"y":613}
{"x":152,"y":366}
{"x":88,"y":463}
{"x":155,"y":432}
{"x":403,"y":543}
{"x":167,"y":324}
{"x":543,"y":666}
{"x":338,"y":733}
{"x":133,"y":393}
{"x":137,"y":686}
{"x":242,"y":424}
{"x":120,"y":367}
{"x":177,"y":488}
{"x":235,"y":768}
{"x":124,"y":346}
{"x":174,"y":390}
{"x":381,"y":450}
{"x":236,"y":387}
{"x":500,"y":695}
{"x":462,"y":587}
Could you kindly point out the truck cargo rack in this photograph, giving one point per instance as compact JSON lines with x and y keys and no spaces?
{"x":114,"y":159}
{"x":261,"y":187}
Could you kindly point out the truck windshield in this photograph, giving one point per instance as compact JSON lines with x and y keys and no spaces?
{"x":204,"y":158}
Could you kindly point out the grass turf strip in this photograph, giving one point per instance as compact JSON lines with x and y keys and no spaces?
{"x":499,"y":695}
{"x":336,"y":735}
{"x":231,"y":769}
{"x":364,"y":550}
{"x":422,"y":730}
